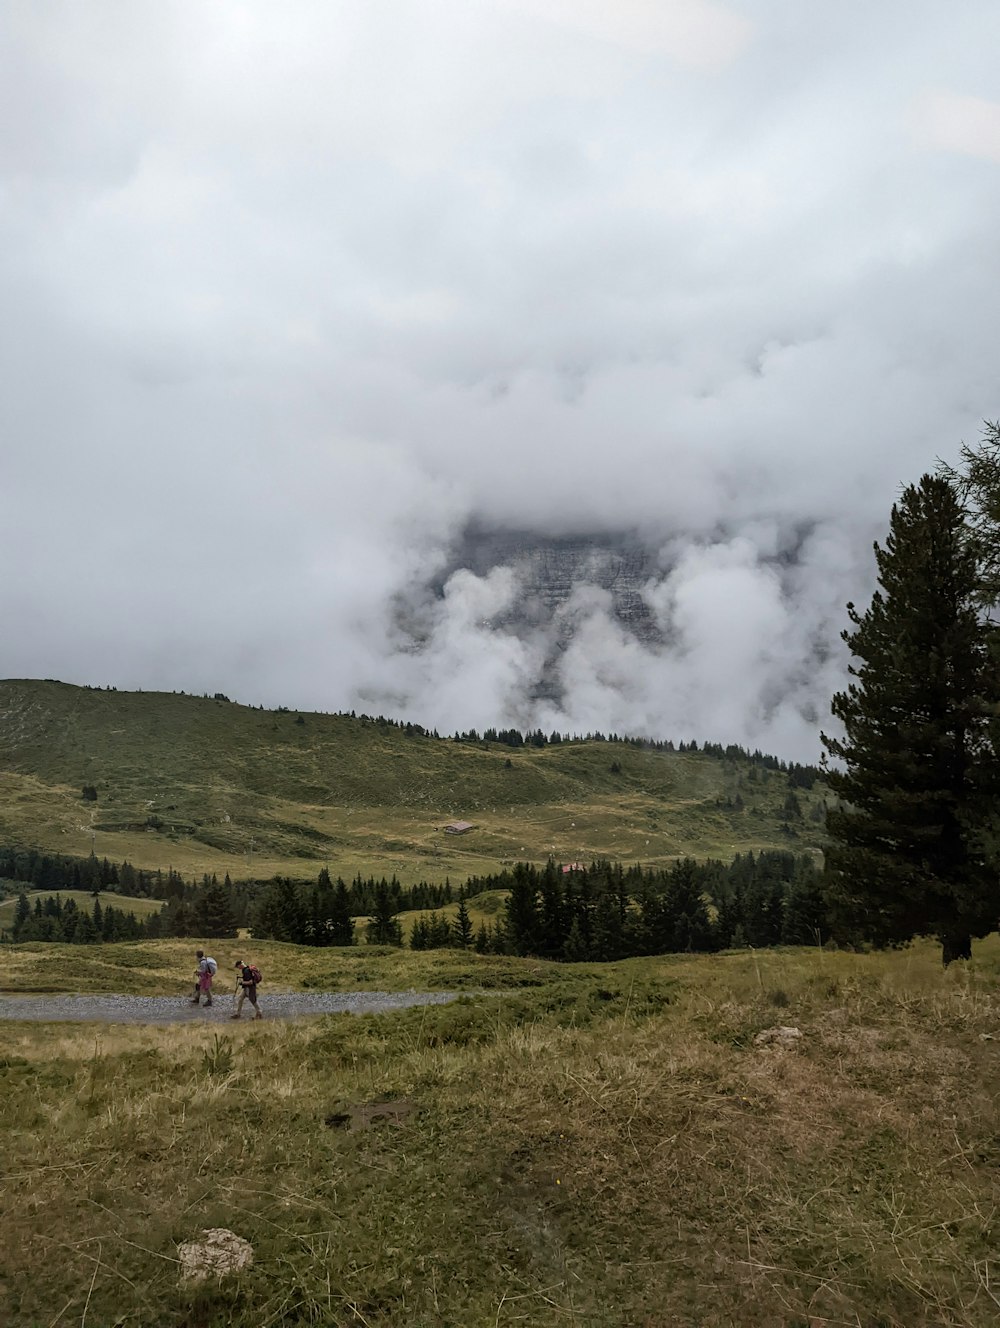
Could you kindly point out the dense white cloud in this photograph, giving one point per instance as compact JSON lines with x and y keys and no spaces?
{"x":292,"y":294}
{"x":960,"y":124}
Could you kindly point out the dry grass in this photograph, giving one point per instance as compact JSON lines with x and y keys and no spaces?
{"x":604,"y":1146}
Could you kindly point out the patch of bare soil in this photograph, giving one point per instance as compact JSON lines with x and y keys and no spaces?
{"x":361,"y":1115}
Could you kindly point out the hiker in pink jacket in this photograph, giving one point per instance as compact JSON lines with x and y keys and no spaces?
{"x":203,"y":976}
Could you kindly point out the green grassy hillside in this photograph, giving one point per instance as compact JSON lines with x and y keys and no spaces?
{"x":209,"y":786}
{"x":592,"y":1145}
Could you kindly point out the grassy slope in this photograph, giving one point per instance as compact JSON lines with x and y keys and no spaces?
{"x":336,"y":791}
{"x":84,"y":901}
{"x":595,"y":1146}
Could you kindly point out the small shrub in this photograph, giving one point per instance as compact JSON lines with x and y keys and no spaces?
{"x":218,"y":1059}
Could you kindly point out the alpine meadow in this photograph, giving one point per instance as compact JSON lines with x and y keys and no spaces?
{"x":500,"y":669}
{"x":677,"y":1077}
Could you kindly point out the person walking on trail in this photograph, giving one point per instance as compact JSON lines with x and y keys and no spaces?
{"x":203,"y":976}
{"x":246,"y":980}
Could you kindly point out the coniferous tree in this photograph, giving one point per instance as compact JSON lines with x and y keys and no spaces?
{"x":341,"y":924}
{"x":580,"y":909}
{"x":552,"y":925}
{"x":803,"y":920}
{"x":575,"y":948}
{"x":729,"y":917}
{"x":179,"y":920}
{"x":462,"y":929}
{"x":213,"y":913}
{"x":687,"y":908}
{"x":977,"y":481}
{"x":764,"y":897}
{"x":419,"y":934}
{"x":280,"y":915}
{"x":384,"y":929}
{"x":90,"y":876}
{"x":522,"y":910}
{"x":70,"y":917}
{"x":86,"y":932}
{"x":656,"y":930}
{"x":608,"y":938}
{"x":22,"y":912}
{"x":319,"y":923}
{"x":919,"y":773}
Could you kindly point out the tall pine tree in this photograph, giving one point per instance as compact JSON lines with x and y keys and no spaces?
{"x":907,"y":856}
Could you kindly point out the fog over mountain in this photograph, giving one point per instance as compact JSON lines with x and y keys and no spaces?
{"x":537,"y":362}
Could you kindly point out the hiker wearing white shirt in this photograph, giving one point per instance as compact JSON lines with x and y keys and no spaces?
{"x":203,"y":976}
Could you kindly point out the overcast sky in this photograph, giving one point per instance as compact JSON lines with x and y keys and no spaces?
{"x":290,"y":293}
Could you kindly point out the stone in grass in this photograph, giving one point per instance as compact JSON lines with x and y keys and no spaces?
{"x":778,"y":1036}
{"x":218,"y":1253}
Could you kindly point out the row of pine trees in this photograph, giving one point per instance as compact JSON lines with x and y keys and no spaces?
{"x":603,"y":911}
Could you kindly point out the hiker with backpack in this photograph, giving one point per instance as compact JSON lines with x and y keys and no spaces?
{"x":203,"y":975}
{"x":248,"y":977}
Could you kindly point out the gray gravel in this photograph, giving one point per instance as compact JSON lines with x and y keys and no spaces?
{"x":179,"y":1010}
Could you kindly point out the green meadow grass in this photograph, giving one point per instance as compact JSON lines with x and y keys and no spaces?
{"x":209,"y":786}
{"x":580,"y":1145}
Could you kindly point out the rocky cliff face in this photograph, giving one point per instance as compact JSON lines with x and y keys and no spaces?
{"x":549,"y":568}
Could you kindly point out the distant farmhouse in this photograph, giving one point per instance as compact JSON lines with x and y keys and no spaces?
{"x":458,"y":827}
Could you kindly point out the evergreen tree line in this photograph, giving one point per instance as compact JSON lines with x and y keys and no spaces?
{"x":55,"y":919}
{"x":607,"y":911}
{"x":58,"y":871}
{"x":799,"y":775}
{"x":324,"y":913}
{"x":604,"y":911}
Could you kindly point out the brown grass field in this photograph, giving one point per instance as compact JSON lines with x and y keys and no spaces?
{"x":579,"y":1145}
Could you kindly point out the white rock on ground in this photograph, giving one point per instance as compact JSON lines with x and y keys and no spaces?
{"x":218,"y":1253}
{"x":779,"y":1036}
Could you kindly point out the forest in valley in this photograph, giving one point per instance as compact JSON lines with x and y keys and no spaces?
{"x":600,"y":911}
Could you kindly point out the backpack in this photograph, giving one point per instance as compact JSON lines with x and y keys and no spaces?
{"x":213,"y":967}
{"x":256,"y":974}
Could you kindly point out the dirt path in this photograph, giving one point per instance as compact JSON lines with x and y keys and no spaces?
{"x":179,"y":1010}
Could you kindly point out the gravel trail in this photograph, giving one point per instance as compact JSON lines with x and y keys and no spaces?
{"x":179,"y":1010}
